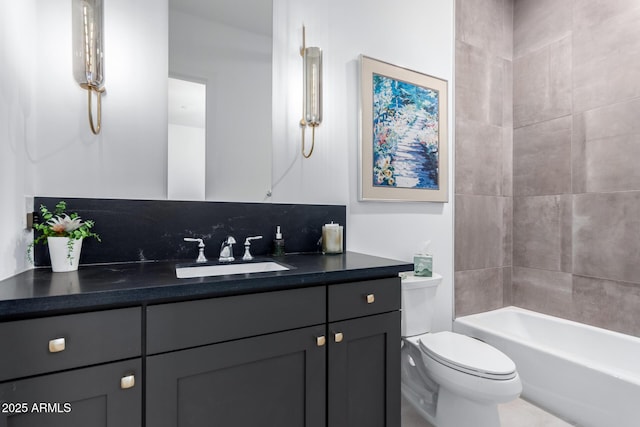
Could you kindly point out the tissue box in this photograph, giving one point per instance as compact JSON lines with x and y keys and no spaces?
{"x":423,"y":265}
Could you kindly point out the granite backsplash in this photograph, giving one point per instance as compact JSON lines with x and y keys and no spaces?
{"x":153,"y":230}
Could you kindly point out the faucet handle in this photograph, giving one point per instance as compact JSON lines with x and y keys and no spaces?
{"x":193,"y":239}
{"x":201,"y":257}
{"x":247,"y":241}
{"x":247,"y":245}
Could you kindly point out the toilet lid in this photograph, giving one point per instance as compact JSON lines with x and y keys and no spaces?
{"x":468,"y":355}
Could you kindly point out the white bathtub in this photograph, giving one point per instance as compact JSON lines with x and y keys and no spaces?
{"x":588,"y":376}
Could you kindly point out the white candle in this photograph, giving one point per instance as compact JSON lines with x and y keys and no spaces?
{"x":332,"y":239}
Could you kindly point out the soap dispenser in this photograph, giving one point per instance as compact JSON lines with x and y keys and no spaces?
{"x":278,"y":243}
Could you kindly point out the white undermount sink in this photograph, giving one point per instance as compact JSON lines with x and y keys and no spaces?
{"x":188,"y":272}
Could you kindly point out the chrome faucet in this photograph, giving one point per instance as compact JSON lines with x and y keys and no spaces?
{"x":226,"y":250}
{"x":201,"y":257}
{"x":247,"y":246}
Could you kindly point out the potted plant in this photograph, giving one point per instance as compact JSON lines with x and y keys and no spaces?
{"x":63,"y":233}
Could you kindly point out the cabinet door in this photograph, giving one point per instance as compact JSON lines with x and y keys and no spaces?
{"x":269,"y":380}
{"x":364,"y":372}
{"x":96,"y":397}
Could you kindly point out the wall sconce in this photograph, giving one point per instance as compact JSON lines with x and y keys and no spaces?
{"x":88,"y":53}
{"x":312,"y":91}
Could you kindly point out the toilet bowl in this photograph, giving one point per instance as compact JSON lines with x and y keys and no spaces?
{"x":451,"y":379}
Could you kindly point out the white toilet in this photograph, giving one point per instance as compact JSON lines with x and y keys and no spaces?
{"x":451,"y":379}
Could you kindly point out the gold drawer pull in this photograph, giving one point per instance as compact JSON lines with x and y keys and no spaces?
{"x":371,"y":298}
{"x":321,"y":340}
{"x":57,"y":345}
{"x":127,"y":382}
{"x":338,"y":337}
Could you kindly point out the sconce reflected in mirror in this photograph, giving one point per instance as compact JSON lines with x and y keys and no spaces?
{"x":88,"y":53}
{"x":312,"y":91}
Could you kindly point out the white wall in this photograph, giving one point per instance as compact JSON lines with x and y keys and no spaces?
{"x":186,"y":163}
{"x":416,"y":34}
{"x":17,"y":118}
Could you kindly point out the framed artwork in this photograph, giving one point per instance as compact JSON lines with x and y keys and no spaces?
{"x":403,"y":134}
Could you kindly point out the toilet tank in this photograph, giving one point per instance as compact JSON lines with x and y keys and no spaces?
{"x":418,"y":303}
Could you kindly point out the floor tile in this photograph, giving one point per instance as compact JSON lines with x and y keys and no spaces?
{"x":518,"y":413}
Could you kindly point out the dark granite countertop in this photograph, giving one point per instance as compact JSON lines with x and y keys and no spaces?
{"x":40,"y":292}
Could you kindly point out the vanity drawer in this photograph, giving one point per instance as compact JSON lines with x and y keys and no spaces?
{"x":359,"y":299}
{"x":49,"y":344}
{"x":187,"y":324}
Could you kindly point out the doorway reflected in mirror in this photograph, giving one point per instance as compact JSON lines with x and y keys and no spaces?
{"x":187,"y":140}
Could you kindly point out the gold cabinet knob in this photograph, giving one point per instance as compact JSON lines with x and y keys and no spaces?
{"x":338,"y":337}
{"x":57,"y":345}
{"x":127,"y":381}
{"x":371,"y":298}
{"x":321,"y":340}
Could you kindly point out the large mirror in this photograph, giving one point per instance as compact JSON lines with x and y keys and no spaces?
{"x":220,"y":84}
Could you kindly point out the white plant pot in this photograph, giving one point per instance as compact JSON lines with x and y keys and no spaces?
{"x":61,"y":259}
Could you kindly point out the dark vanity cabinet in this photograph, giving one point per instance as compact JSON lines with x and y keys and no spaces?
{"x":74,"y":370}
{"x":250,"y":360}
{"x":317,"y":356}
{"x":312,"y":357}
{"x":364,"y":354}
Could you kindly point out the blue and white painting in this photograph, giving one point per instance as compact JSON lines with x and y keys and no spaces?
{"x":405,"y":134}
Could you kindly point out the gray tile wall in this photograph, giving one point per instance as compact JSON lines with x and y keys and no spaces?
{"x":484,"y":152}
{"x":576,"y":151}
{"x":547,"y":159}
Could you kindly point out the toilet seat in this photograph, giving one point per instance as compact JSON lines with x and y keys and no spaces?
{"x":467,"y":355}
